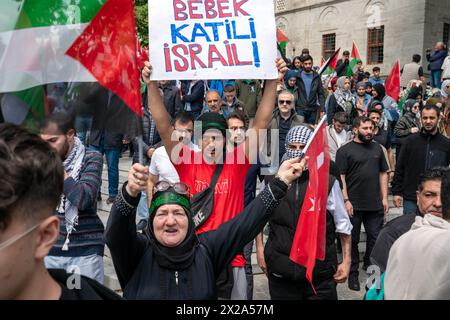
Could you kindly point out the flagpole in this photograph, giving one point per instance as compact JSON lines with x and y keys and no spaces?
{"x":314,"y":134}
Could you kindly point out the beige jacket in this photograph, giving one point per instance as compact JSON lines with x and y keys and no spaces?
{"x":419,"y":262}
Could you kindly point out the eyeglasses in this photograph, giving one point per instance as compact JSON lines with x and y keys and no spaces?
{"x":179,"y":187}
{"x":288,"y":102}
{"x":16,"y":238}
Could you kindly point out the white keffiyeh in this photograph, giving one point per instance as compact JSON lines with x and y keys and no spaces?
{"x":72,"y":165}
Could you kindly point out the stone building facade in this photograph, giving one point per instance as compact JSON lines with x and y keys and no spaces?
{"x":383,"y":30}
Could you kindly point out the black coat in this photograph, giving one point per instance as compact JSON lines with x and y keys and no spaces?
{"x":419,"y":152}
{"x":342,"y":68}
{"x":89,"y":289}
{"x":388,"y":235}
{"x":141,"y":277}
{"x":112,"y":118}
{"x":172,"y":100}
{"x":334,"y":107}
{"x":283,"y":225}
{"x":316,"y":97}
{"x":196,"y":97}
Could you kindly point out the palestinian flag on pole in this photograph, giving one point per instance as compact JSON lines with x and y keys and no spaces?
{"x":355,"y":58}
{"x":329,"y":66}
{"x":55,"y":41}
{"x":282,"y":40}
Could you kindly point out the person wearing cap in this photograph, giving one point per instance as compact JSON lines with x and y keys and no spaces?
{"x":196,"y":169}
{"x":287,"y":280}
{"x":171,"y":261}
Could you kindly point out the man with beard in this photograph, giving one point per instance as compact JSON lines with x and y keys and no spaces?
{"x":311,"y":96}
{"x":420,"y":151}
{"x":80,"y":240}
{"x":364,"y":177}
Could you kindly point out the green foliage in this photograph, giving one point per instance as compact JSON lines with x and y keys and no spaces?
{"x":141,"y":12}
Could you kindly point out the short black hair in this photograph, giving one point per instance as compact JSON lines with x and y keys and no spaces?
{"x":305,"y":51}
{"x":183,"y":117}
{"x":367,"y":75}
{"x":341,"y":117}
{"x":64,"y":122}
{"x":32,"y":176}
{"x":431,"y":175}
{"x":445,"y":194}
{"x":432,"y":107}
{"x":306,"y":57}
{"x":360,"y":120}
{"x":229,"y":88}
{"x":370,"y":111}
{"x":236,"y":115}
{"x":416,"y":58}
{"x":346,"y":53}
{"x":376,"y":69}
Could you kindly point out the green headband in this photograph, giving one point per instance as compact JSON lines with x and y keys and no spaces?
{"x":162,"y":198}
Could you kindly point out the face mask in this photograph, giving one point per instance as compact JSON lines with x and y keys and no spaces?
{"x":291,"y":154}
{"x":16,"y":238}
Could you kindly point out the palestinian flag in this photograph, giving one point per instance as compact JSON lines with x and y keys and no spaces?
{"x":57,"y":41}
{"x":282,"y":40}
{"x":355,"y":58}
{"x":329,"y":66}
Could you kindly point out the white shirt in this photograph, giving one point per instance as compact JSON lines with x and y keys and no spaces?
{"x":336,"y":205}
{"x":340,"y":137}
{"x":162,"y":166}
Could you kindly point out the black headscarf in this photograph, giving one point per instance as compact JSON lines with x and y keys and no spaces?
{"x":181,"y":256}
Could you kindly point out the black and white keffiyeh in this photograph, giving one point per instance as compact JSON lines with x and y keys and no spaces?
{"x":344,"y":98}
{"x":298,"y":134}
{"x":72,"y":165}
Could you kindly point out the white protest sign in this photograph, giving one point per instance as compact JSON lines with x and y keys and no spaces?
{"x":212,"y":39}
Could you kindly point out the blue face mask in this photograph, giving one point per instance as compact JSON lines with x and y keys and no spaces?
{"x":16,"y":238}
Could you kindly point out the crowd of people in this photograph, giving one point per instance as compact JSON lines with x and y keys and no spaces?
{"x":207,"y":178}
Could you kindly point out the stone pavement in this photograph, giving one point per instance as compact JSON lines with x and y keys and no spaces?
{"x":261,"y":291}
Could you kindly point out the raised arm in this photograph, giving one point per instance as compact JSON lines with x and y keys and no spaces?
{"x":121,"y":237}
{"x":231,"y":237}
{"x":265,"y":109}
{"x":158,"y":110}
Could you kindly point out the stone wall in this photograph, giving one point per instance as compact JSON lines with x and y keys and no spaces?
{"x":408,"y":24}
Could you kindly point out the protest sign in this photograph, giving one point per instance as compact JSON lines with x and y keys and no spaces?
{"x":212,"y":39}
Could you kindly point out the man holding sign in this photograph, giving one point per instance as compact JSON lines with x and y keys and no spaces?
{"x":212,"y":39}
{"x":196,"y":168}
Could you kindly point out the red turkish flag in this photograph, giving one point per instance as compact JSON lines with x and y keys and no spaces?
{"x":309,"y":238}
{"x":107,"y":48}
{"x":392,"y":83}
